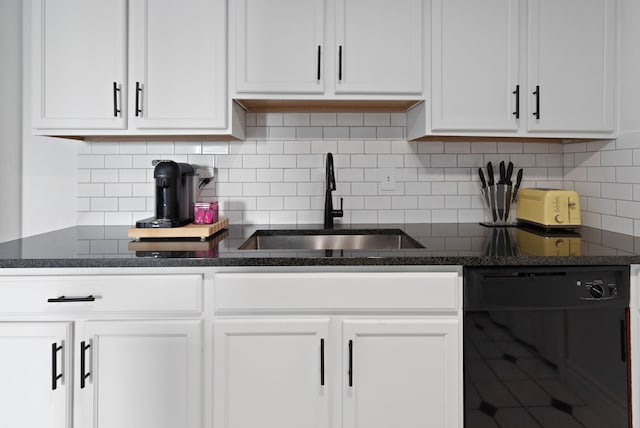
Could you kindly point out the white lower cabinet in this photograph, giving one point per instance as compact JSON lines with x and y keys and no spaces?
{"x":135,"y":374}
{"x":35,"y":373}
{"x":101,"y":351}
{"x":268,"y":373}
{"x":400,"y":373}
{"x":310,"y":358}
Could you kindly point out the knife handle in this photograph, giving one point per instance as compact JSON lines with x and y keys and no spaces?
{"x":482,"y":179}
{"x":507,"y":179}
{"x":490,"y":174}
{"x":503,"y":174}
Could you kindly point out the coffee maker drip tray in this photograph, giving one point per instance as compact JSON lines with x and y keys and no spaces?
{"x":160,"y":223}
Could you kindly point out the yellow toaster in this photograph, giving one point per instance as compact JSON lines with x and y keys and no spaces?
{"x":548,"y":208}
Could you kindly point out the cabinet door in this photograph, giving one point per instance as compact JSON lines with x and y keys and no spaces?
{"x":32,"y":356}
{"x":379,"y":46}
{"x":475,"y":65}
{"x":571,"y":65}
{"x":279,"y":46}
{"x":269,"y":373}
{"x":179,"y":58}
{"x":78,"y":64}
{"x":139,"y":374}
{"x":401,"y":373}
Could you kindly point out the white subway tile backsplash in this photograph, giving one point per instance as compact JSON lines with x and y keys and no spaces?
{"x":216,"y":147}
{"x":242,"y":175}
{"x":323,"y":119}
{"x":270,"y":119}
{"x":309,"y":133}
{"x":350,"y":119}
{"x":296,"y":119}
{"x":282,"y":161}
{"x":282,"y":133}
{"x":363,"y":132}
{"x":277,"y":175}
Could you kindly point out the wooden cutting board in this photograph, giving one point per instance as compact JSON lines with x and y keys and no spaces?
{"x":202,"y":231}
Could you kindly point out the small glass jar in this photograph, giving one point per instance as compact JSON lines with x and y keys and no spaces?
{"x":205,"y":212}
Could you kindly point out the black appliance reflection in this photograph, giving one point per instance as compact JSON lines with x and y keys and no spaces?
{"x":542,"y":351}
{"x":178,"y":247}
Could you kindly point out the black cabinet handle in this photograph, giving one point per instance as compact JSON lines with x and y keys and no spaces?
{"x":116,"y":93}
{"x":138,"y":100}
{"x":623,"y":341}
{"x":322,"y":362}
{"x":340,"y":62}
{"x":83,"y":363}
{"x":537,"y":94}
{"x":517,"y":94}
{"x":351,"y":363}
{"x":54,"y":366}
{"x":65,"y":299}
{"x":319,"y":60}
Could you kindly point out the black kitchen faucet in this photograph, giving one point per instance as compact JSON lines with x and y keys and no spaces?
{"x":329,"y":212}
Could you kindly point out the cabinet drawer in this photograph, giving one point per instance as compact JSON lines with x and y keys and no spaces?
{"x":103,"y":293}
{"x":398,"y":291}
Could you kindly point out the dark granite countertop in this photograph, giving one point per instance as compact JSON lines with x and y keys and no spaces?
{"x":467,"y":244}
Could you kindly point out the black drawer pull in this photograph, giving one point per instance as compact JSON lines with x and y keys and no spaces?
{"x":65,"y":299}
{"x":351,"y":363}
{"x":517,"y":94}
{"x":138,"y":100}
{"x":116,"y":93}
{"x":322,"y":362}
{"x":319,"y":61}
{"x":54,"y":366}
{"x":537,"y":94}
{"x":340,"y":63}
{"x":83,"y":363}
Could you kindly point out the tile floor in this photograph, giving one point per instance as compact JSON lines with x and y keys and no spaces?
{"x":508,"y":384}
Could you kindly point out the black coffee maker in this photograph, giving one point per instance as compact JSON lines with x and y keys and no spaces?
{"x":174,"y":195}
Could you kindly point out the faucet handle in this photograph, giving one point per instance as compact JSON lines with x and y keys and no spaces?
{"x":340,"y":212}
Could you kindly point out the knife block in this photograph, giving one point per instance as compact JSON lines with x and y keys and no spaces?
{"x":499,"y":201}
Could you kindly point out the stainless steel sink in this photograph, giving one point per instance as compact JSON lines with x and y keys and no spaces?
{"x":314,"y":239}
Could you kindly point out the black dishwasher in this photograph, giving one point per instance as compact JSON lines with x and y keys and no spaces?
{"x":546,"y":347}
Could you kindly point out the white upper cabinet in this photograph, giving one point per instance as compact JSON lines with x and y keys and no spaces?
{"x":571,"y":65}
{"x":179,"y":62}
{"x":78,"y":63}
{"x":379,"y":46}
{"x":138,"y":67}
{"x":327,"y":49}
{"x":509,"y":68}
{"x":279,"y":46}
{"x":476,"y":65}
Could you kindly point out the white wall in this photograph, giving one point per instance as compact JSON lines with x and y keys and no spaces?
{"x":607,"y":174}
{"x":10,"y":118}
{"x":49,"y":167}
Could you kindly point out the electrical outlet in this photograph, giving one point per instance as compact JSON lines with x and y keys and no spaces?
{"x":388,"y":179}
{"x":205,"y":172}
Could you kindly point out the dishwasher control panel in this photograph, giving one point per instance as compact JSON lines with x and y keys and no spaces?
{"x":597,"y":289}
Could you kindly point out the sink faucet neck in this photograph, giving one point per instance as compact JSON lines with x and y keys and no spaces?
{"x":329,"y":212}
